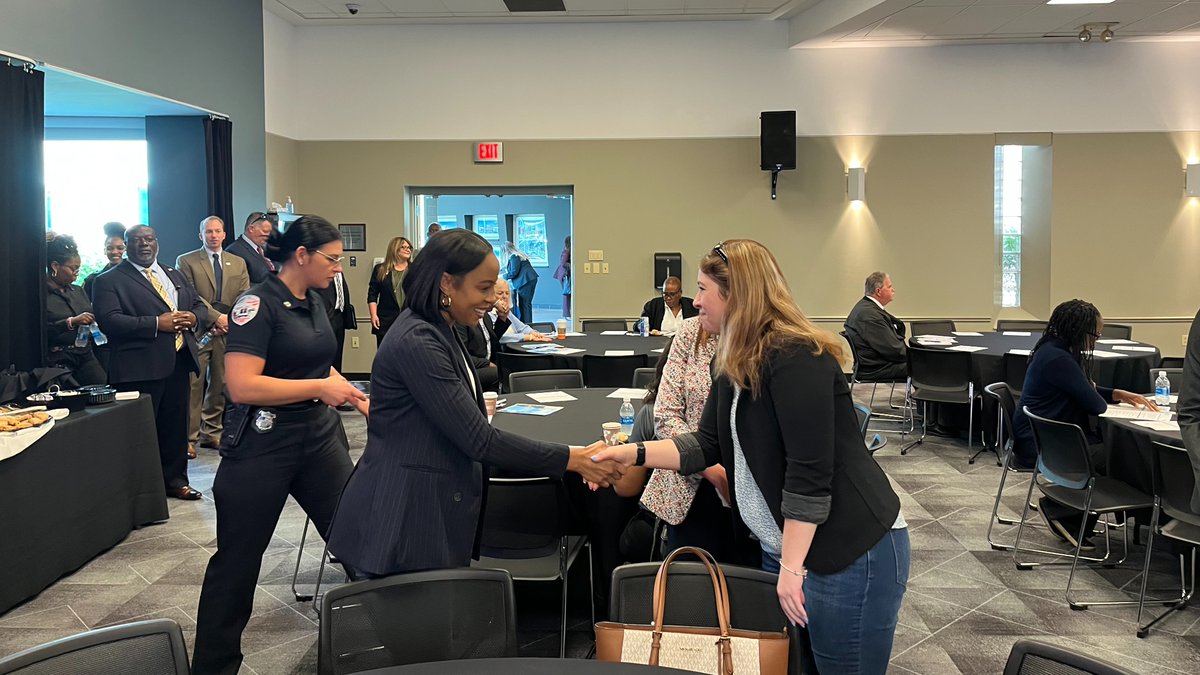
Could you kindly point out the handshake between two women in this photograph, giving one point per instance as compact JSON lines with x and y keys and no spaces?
{"x":597,"y":473}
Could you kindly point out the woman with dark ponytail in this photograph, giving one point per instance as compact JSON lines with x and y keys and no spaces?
{"x":114,"y":251}
{"x":281,"y":435}
{"x":68,"y":308}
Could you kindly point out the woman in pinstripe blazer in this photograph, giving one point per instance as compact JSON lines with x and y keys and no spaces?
{"x":415,"y":500}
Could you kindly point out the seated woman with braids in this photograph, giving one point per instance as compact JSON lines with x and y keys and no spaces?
{"x":1059,"y":385}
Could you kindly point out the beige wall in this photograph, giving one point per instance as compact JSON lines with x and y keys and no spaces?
{"x":928,"y":217}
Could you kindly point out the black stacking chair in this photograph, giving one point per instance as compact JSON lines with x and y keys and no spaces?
{"x":437,"y":615}
{"x":508,"y":363}
{"x":541,"y":380}
{"x":1171,"y":362}
{"x":857,"y":378}
{"x":1021,"y":324}
{"x":611,"y":371}
{"x":1030,"y":657}
{"x":154,"y":646}
{"x":1174,"y":482}
{"x":931,"y":327}
{"x":1006,"y":407}
{"x":753,"y":600}
{"x":1015,"y":366}
{"x":1118,"y":331}
{"x":642,"y":377}
{"x":940,"y":376}
{"x":546,"y":327}
{"x":526,"y":531}
{"x":1067,"y":477}
{"x":598,"y":325}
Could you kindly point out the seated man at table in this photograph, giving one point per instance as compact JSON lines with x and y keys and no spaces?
{"x":482,"y":342}
{"x":506,"y":326}
{"x":669,"y":310}
{"x":1059,"y":386}
{"x":1189,"y":405}
{"x":877,"y":336}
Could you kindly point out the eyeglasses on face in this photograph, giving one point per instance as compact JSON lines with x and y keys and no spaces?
{"x":336,"y":261}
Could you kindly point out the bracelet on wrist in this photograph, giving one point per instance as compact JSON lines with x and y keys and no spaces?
{"x":802,"y":573}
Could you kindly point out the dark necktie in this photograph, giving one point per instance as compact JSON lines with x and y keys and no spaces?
{"x":218,"y":275}
{"x":270,"y":265}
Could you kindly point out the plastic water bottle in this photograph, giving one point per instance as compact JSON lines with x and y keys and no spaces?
{"x":626,"y":415}
{"x":289,"y":206}
{"x":81,"y":336}
{"x":204,"y":339}
{"x":1162,"y":391}
{"x":97,"y":336}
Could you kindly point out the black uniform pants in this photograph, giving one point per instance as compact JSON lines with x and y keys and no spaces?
{"x":308,"y":460}
{"x":171,"y":397}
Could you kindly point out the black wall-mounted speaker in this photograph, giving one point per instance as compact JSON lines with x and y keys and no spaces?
{"x":777,"y":140}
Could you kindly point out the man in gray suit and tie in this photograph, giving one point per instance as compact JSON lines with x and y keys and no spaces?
{"x":219,"y":278}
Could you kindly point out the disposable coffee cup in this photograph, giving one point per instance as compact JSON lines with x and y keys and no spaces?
{"x":489,"y":402}
{"x":612,"y":433}
{"x":562,"y":329}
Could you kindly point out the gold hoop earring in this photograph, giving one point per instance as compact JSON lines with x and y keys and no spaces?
{"x":445,"y":302}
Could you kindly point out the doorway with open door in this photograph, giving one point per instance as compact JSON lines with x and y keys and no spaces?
{"x":523,"y":223}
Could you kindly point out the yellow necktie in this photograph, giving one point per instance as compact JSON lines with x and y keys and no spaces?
{"x":162,"y":293}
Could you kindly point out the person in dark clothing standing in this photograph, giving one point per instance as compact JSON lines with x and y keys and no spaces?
{"x":385,"y":292}
{"x":253,"y":248}
{"x":522,"y":278}
{"x":68,"y":308}
{"x":341,"y":314}
{"x":281,"y":436}
{"x":1059,"y":385}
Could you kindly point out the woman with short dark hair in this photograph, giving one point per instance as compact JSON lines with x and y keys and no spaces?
{"x":114,"y":251}
{"x":415,"y":501}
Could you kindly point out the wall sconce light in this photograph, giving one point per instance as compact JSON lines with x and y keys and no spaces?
{"x":1192,"y":184}
{"x":856,"y":184}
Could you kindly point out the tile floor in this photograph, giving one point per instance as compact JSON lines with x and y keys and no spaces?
{"x":966,"y":604}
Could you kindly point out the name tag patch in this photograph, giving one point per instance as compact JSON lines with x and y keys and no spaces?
{"x":245,"y":309}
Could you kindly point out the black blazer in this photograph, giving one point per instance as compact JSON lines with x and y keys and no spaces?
{"x":382,"y":293}
{"x":802,"y":443}
{"x":877,"y":335}
{"x":657,"y":307}
{"x":473,"y":339}
{"x":256,"y":265}
{"x":415,"y":502}
{"x":329,"y":296}
{"x":127,"y":307}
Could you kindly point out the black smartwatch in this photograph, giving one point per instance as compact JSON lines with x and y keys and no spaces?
{"x":641,"y":455}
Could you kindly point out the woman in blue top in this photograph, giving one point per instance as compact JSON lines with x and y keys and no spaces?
{"x":1059,"y":385}
{"x":523,"y":279}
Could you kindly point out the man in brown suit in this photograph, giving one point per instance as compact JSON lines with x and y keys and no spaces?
{"x":219,"y":278}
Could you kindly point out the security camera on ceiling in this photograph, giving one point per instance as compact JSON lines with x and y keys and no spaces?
{"x":353,"y":8}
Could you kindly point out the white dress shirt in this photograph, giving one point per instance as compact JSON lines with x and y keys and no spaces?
{"x":161,"y":275}
{"x":671,"y":322}
{"x":517,"y":329}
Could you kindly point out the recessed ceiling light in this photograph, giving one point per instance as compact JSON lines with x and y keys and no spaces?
{"x":1079,"y":2}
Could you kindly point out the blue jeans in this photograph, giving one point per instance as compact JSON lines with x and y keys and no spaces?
{"x":852,"y":613}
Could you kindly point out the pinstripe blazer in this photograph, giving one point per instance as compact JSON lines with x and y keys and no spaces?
{"x":415,"y":501}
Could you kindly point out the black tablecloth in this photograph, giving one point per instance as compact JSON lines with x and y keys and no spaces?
{"x":76,"y":492}
{"x":1130,"y":372}
{"x":578,"y":423}
{"x":524,"y":667}
{"x":1130,"y":447}
{"x":595,"y":344}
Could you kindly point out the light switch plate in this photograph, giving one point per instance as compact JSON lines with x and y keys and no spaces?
{"x":604,"y":268}
{"x":595,"y":254}
{"x":587,"y":268}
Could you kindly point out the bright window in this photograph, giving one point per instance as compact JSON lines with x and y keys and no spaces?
{"x":531,"y":238}
{"x":448,"y":222}
{"x":89,"y":183}
{"x":1008,"y":221}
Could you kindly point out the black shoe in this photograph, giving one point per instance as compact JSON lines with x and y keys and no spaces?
{"x":1063,"y":532}
{"x":345,"y":407}
{"x":944,"y":432}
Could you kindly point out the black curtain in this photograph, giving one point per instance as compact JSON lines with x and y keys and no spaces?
{"x":218,"y":142}
{"x":22,"y":218}
{"x":177,"y":197}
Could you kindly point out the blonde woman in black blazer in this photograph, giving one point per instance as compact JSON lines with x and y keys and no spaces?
{"x":385,"y":293}
{"x":781,"y":421}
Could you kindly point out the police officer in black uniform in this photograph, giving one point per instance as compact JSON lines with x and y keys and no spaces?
{"x":281,"y":436}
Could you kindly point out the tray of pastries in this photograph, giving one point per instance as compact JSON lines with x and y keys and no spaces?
{"x":19,"y":421}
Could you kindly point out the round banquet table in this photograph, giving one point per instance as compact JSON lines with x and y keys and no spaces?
{"x":1130,"y":371}
{"x":1130,"y":447}
{"x":578,"y":423}
{"x":595,"y":344}
{"x":524,"y":666}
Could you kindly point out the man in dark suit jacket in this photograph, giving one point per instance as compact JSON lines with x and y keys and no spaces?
{"x":251,"y":246}
{"x":877,"y":336}
{"x":482,"y":342}
{"x":671,"y":299}
{"x":341,"y":313}
{"x":1189,"y":405}
{"x":150,"y":313}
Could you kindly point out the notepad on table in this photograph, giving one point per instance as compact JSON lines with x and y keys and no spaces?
{"x":614,"y":332}
{"x":967,"y":333}
{"x":571,"y":334}
{"x":1017,"y":333}
{"x":1115,"y":341}
{"x":657,"y":351}
{"x":628,"y":392}
{"x":965,"y":348}
{"x":531,"y":409}
{"x":1021,"y":352}
{"x":1134,"y":348}
{"x":1107,"y":355}
{"x":552,"y":397}
{"x":1158,"y":426}
{"x":618,"y":352}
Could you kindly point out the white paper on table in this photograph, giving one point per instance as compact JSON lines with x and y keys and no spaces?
{"x":614,"y":332}
{"x":1021,"y":352}
{"x":1017,"y":333}
{"x":1108,"y":355}
{"x":967,"y":333}
{"x":1134,"y":348}
{"x":935,"y":338}
{"x":574,"y":334}
{"x":629,"y":393}
{"x":1128,"y":412}
{"x":1158,"y":426}
{"x":530,"y":409}
{"x":543,"y":348}
{"x":552,"y":397}
{"x":658,"y":351}
{"x":965,"y":348}
{"x":1115,"y":341}
{"x":563,"y":351}
{"x":618,"y":352}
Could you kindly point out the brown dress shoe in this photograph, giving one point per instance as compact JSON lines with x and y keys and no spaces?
{"x":191,"y":451}
{"x":187,"y":492}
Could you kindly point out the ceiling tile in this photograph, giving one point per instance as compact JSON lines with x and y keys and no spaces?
{"x":979,"y":20}
{"x":641,"y":5}
{"x":1045,"y":19}
{"x":476,"y":6}
{"x":403,"y":7}
{"x":1174,"y":19}
{"x":702,"y":5}
{"x":592,"y":6}
{"x":913,"y":21}
{"x":304,"y":6}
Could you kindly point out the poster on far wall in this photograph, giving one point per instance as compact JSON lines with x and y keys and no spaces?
{"x":530,"y":234}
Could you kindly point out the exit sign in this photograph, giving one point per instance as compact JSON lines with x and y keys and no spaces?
{"x":489,"y":152}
